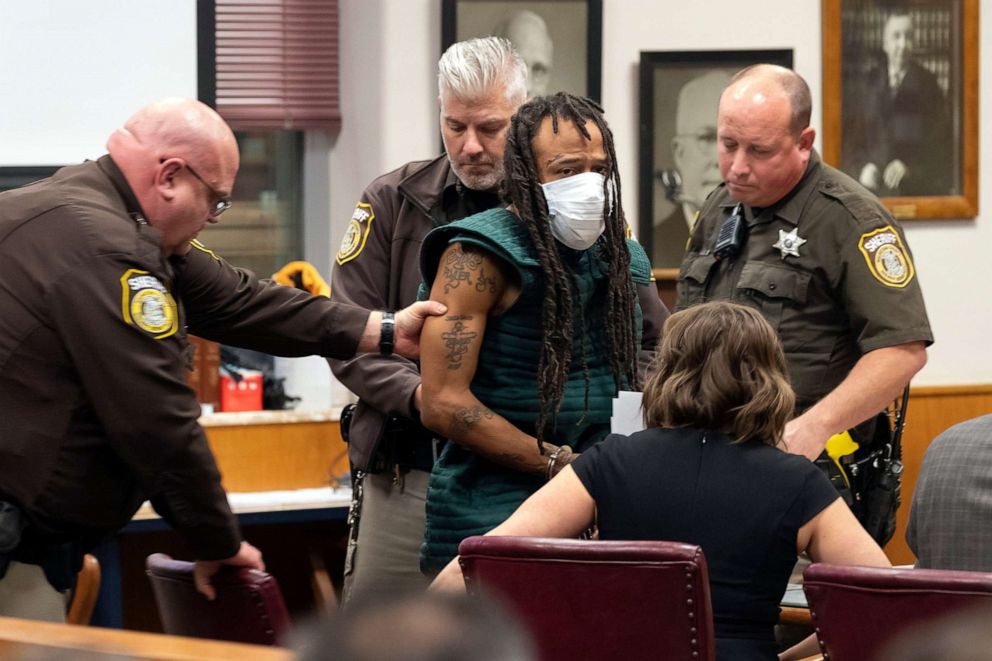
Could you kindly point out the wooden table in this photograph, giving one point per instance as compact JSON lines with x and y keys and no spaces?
{"x":123,"y":585}
{"x":31,"y":639}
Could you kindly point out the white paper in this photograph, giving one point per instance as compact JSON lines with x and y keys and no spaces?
{"x":794,"y":596}
{"x":627,"y":417}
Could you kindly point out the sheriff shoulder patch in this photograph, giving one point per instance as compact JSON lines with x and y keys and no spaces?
{"x":147,"y":304}
{"x":886,"y":256}
{"x":358,"y":232}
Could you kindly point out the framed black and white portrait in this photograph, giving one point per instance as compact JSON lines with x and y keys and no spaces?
{"x":679,"y":95}
{"x":900,"y":101}
{"x":560,"y":40}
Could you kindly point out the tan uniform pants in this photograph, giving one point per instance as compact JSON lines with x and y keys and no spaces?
{"x":26,"y":593}
{"x":385,"y":557}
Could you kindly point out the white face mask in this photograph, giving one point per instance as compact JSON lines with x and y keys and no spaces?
{"x":575,"y":205}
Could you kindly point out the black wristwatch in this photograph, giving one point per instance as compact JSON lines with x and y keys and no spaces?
{"x":386,"y":333}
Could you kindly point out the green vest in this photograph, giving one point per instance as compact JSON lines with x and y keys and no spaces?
{"x":469,"y":495}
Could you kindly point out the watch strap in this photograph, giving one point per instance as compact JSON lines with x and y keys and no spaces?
{"x":386,"y":333}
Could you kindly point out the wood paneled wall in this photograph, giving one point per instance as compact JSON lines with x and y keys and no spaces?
{"x":272,"y":457}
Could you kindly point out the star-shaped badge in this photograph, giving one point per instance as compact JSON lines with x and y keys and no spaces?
{"x":789,"y":242}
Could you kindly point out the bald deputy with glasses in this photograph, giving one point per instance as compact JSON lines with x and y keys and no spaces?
{"x":100,"y":278}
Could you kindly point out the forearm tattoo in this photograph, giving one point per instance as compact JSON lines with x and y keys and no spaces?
{"x":458,"y":267}
{"x":457,"y":340}
{"x":511,"y":458}
{"x":467,"y":417}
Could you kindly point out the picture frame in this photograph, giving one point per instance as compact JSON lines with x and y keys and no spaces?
{"x":679,"y":95}
{"x":900,"y":102}
{"x":561,"y":40}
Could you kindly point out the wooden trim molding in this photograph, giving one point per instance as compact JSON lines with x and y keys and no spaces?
{"x":951,"y":391}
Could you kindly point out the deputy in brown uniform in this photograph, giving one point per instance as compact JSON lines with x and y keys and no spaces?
{"x":98,"y":286}
{"x":481,"y":83}
{"x":819,"y":255}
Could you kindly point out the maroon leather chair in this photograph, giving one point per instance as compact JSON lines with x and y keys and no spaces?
{"x":249,"y":607}
{"x":856,"y":611}
{"x":597,"y":599}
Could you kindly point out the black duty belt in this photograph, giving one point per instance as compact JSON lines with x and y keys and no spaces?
{"x":403,"y":443}
{"x":418,"y":454}
{"x":407,"y":444}
{"x":61,"y":561}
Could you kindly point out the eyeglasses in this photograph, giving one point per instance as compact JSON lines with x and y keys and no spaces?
{"x":705,"y":140}
{"x":222,"y":204}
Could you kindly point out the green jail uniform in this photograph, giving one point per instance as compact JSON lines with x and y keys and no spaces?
{"x":469,"y":495}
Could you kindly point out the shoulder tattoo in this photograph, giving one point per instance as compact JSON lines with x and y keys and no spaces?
{"x":459,"y":266}
{"x":485,"y":283}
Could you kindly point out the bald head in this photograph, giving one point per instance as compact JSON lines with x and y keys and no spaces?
{"x":424,"y":626}
{"x":181,"y":127}
{"x":765,"y":78}
{"x":698,"y":101}
{"x":694,"y":144}
{"x":180,"y":158}
{"x":764,"y":139}
{"x":529,"y":35}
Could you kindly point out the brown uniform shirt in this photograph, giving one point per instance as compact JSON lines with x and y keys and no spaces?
{"x":95,"y":413}
{"x":827,"y":266}
{"x":378,"y":266}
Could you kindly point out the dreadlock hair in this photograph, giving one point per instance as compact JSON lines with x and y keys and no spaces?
{"x":522,"y":188}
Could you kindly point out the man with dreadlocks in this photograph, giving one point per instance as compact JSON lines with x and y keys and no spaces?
{"x":481,"y":83}
{"x":520,"y":399}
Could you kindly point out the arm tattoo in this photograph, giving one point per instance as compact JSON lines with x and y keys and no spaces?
{"x":466,"y":418}
{"x":485,"y":283}
{"x":457,"y":340}
{"x":458,"y":268}
{"x":511,"y":457}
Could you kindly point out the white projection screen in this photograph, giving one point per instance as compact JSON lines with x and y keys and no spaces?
{"x":71,"y":71}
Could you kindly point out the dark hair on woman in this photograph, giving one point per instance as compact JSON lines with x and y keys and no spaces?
{"x":720,"y":366}
{"x":522,"y":188}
